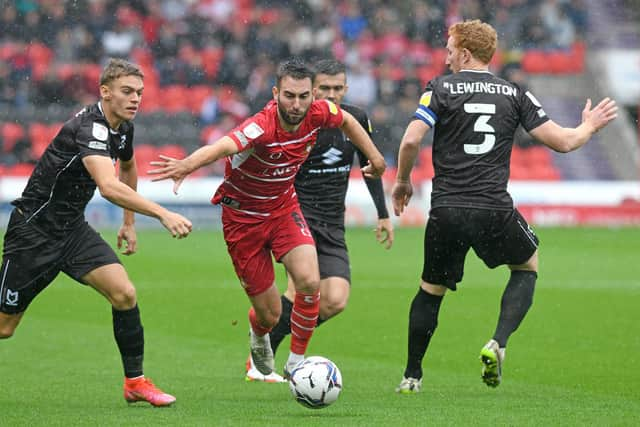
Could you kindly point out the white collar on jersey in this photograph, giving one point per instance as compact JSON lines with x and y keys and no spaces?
{"x":477,"y":71}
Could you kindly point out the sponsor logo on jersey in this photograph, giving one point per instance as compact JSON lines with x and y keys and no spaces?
{"x":425,"y":99}
{"x":123,"y":142}
{"x":333,"y":109}
{"x":252,"y":130}
{"x":331,"y":156}
{"x":97,"y":145}
{"x":100,"y":131}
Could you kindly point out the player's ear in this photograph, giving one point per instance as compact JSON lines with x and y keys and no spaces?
{"x":105,"y":92}
{"x":274,"y":91}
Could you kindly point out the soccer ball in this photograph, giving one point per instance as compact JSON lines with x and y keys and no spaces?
{"x":315,"y":382}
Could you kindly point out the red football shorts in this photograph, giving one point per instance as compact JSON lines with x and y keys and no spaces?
{"x":250,"y":246}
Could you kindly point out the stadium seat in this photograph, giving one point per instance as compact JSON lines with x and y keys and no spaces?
{"x":393,"y":45}
{"x":535,"y":62}
{"x":175,"y":98}
{"x":142,"y":57}
{"x":427,"y":73}
{"x":11,"y":132}
{"x":39,"y":53}
{"x":65,"y":71}
{"x":20,"y":169}
{"x":172,"y":150}
{"x":144,"y":153}
{"x":91,"y":73}
{"x":197,"y":95}
{"x":40,"y":136}
{"x":7,"y":50}
{"x":211,"y":59}
{"x":367,"y":46}
{"x":420,"y":52}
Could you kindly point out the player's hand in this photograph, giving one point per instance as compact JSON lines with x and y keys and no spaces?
{"x":375,"y":169}
{"x":384,"y":232}
{"x":127,"y":234}
{"x":177,"y":225}
{"x":400,"y":195}
{"x":601,"y":114}
{"x":168,"y":167}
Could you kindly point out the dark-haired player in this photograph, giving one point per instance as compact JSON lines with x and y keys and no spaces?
{"x":321,"y":185}
{"x":260,"y":211}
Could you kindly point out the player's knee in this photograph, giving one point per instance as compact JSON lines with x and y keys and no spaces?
{"x":6,"y":331}
{"x":332,"y":307}
{"x":124,"y":299}
{"x":307,"y":284}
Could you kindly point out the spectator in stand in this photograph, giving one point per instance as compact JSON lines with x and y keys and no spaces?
{"x":352,"y":22}
{"x":11,"y":29}
{"x":245,"y":36}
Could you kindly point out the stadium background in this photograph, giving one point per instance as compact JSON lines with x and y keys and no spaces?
{"x":209,"y":63}
{"x":575,"y":360}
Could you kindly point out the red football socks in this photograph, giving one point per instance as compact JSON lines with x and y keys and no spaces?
{"x":304,"y":317}
{"x":258,"y":329}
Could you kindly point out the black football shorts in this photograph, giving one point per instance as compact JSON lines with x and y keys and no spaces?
{"x":333,"y":257}
{"x":497,"y":237}
{"x":32,"y":258}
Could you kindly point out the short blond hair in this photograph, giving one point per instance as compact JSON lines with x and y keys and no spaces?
{"x":117,"y":68}
{"x":477,"y":37}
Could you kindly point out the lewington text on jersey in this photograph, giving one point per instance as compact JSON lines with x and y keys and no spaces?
{"x":480,"y":87}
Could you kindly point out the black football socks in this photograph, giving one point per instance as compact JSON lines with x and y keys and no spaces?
{"x":516,"y":300}
{"x":129,"y":335}
{"x":423,"y":320}
{"x":283,"y":327}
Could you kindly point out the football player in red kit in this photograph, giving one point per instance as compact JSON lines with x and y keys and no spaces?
{"x":260,"y":211}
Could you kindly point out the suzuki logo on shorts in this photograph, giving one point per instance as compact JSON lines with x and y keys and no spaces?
{"x":12,"y":297}
{"x":308,"y":299}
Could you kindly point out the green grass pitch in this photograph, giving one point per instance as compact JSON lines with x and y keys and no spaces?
{"x":574,"y":361}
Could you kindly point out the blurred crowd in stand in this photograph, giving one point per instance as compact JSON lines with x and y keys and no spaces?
{"x":215,"y":59}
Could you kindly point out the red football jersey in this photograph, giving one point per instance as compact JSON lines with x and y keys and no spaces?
{"x":258,"y":180}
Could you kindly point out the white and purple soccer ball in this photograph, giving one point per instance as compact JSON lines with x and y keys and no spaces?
{"x":315,"y":382}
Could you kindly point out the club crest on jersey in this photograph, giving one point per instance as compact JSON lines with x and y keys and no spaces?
{"x":99,"y":131}
{"x":252,"y":130}
{"x":12,"y":297}
{"x":425,"y":99}
{"x":333,"y":109}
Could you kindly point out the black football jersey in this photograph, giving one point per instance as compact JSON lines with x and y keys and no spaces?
{"x":321,"y":182}
{"x":60,"y":186}
{"x":474,"y":115}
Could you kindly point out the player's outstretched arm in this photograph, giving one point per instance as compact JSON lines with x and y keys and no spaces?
{"x":409,"y":148}
{"x":564,"y":140}
{"x":103,"y":173}
{"x":178,"y":169}
{"x":361,"y":139}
